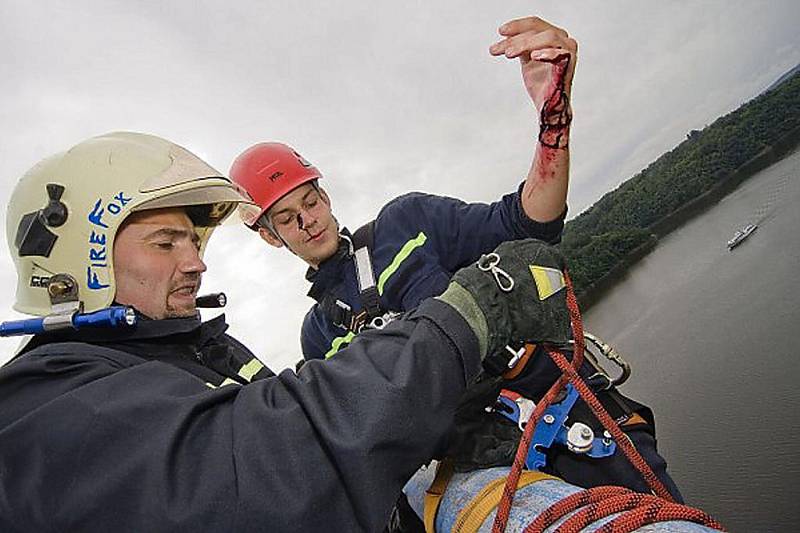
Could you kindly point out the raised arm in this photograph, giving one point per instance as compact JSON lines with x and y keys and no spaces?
{"x":547,"y":56}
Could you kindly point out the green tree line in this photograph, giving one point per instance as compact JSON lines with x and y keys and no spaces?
{"x":603,"y":236}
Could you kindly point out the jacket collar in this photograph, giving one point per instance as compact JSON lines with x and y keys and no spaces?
{"x":170,"y":330}
{"x":200,"y":348}
{"x":329,"y":273}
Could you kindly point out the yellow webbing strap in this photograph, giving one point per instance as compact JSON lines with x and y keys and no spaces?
{"x":474,"y":514}
{"x":433,"y":496}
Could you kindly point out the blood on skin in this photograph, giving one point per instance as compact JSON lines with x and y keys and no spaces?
{"x":556,"y":116}
{"x":554,"y":123}
{"x":545,"y":166}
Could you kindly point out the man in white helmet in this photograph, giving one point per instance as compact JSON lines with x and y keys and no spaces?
{"x":168,"y":424}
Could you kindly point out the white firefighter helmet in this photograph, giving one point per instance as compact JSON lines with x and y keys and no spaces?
{"x":65,"y":212}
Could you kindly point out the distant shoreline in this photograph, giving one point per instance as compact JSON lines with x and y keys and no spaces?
{"x":658,"y":230}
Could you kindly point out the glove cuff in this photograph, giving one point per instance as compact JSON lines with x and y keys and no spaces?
{"x":465,"y":304}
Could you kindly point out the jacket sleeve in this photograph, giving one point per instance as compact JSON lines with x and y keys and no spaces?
{"x":462,"y":231}
{"x":150,"y":448}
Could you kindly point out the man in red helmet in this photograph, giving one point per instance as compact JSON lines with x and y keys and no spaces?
{"x":410,"y":251}
{"x":417,"y":241}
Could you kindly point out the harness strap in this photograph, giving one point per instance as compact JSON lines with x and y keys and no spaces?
{"x":635,"y":420}
{"x":474,"y":514}
{"x":363,"y":243}
{"x":433,"y":496}
{"x":339,"y":312}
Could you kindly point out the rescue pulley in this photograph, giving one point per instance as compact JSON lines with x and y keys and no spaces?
{"x":552,"y":429}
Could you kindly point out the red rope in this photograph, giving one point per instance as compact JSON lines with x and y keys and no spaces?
{"x":658,"y":511}
{"x":599,"y":502}
{"x":621,"y":439}
{"x":601,"y":509}
{"x":563,"y":507}
{"x":504,"y":507}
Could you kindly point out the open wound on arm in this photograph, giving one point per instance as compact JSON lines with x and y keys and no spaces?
{"x":556,"y":114}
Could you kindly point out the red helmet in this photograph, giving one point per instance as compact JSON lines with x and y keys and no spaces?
{"x":268,"y":171}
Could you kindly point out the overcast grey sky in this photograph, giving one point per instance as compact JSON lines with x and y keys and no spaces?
{"x":384,"y":97}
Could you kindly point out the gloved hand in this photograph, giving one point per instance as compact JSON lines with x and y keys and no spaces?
{"x":515,"y":294}
{"x":482,"y":439}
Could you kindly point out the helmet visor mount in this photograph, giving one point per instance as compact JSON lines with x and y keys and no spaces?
{"x":220,"y":201}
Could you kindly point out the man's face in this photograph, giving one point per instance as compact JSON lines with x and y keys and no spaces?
{"x":304,"y":221}
{"x":157,"y":264}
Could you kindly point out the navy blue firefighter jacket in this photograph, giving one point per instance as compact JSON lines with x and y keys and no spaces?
{"x":175,"y":426}
{"x":420,"y":241}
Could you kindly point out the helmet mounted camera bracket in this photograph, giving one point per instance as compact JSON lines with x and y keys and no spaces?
{"x":33,"y":236}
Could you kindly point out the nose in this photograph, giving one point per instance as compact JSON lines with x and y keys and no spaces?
{"x":305,"y":220}
{"x":191,"y":262}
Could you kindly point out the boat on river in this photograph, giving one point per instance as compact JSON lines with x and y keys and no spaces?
{"x":740,"y":235}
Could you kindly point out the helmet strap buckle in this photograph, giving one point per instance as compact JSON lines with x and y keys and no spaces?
{"x":63,"y":292}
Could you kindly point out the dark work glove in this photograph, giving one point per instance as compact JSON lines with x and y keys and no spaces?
{"x":481,"y":439}
{"x":513,"y":295}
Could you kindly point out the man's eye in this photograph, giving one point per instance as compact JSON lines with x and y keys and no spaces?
{"x":165,"y":245}
{"x":311,"y":204}
{"x":284,"y":220}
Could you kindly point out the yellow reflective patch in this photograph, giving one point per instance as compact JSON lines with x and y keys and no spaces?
{"x":548,"y":280}
{"x":336,"y":345}
{"x":250,"y":369}
{"x":227,"y":381}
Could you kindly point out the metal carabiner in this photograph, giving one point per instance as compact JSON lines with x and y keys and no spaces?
{"x":514,"y":406}
{"x":381,"y":321}
{"x":526,"y":408}
{"x":612,"y":356}
{"x":488,"y":263}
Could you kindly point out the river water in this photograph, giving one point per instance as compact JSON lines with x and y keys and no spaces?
{"x":710,"y":334}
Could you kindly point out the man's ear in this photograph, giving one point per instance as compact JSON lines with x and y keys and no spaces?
{"x":270,"y":239}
